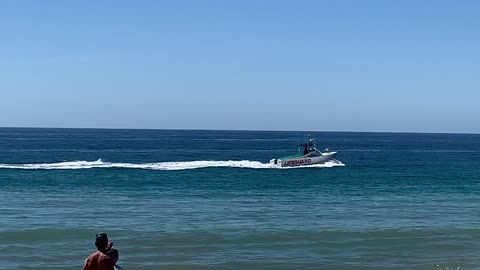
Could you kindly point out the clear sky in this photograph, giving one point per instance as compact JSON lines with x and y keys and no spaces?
{"x":275,"y":65}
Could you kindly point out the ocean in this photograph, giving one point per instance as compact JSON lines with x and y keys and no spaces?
{"x":189,"y":199}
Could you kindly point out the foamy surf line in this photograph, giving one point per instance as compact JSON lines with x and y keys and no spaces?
{"x":162,"y":166}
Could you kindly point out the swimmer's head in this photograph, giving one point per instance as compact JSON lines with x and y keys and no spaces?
{"x":101,"y":241}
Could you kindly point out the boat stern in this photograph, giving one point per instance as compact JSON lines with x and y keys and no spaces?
{"x":275,"y":162}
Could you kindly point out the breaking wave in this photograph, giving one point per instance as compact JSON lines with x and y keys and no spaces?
{"x":164,"y":166}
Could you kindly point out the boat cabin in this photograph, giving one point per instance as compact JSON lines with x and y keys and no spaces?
{"x":309,"y":148}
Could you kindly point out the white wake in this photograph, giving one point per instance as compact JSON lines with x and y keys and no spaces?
{"x":165,"y":166}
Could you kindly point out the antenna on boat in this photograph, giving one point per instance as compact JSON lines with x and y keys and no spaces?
{"x":298,"y":143}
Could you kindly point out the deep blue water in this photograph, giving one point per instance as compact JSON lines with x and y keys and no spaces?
{"x":174,"y":199}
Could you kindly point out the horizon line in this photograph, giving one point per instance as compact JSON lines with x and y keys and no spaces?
{"x":252,"y":130}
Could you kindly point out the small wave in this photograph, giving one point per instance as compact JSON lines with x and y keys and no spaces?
{"x":164,"y":166}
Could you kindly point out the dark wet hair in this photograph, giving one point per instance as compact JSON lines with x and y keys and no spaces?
{"x":113,"y":253}
{"x":101,"y":240}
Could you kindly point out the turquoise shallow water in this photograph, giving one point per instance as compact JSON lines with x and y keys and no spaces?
{"x":208,"y":200}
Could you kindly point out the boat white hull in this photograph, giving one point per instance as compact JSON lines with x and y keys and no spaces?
{"x":304,"y":161}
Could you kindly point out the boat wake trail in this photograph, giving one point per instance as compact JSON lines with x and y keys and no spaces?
{"x":163,"y":166}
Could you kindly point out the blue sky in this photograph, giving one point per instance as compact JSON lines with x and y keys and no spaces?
{"x":274,"y":65}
